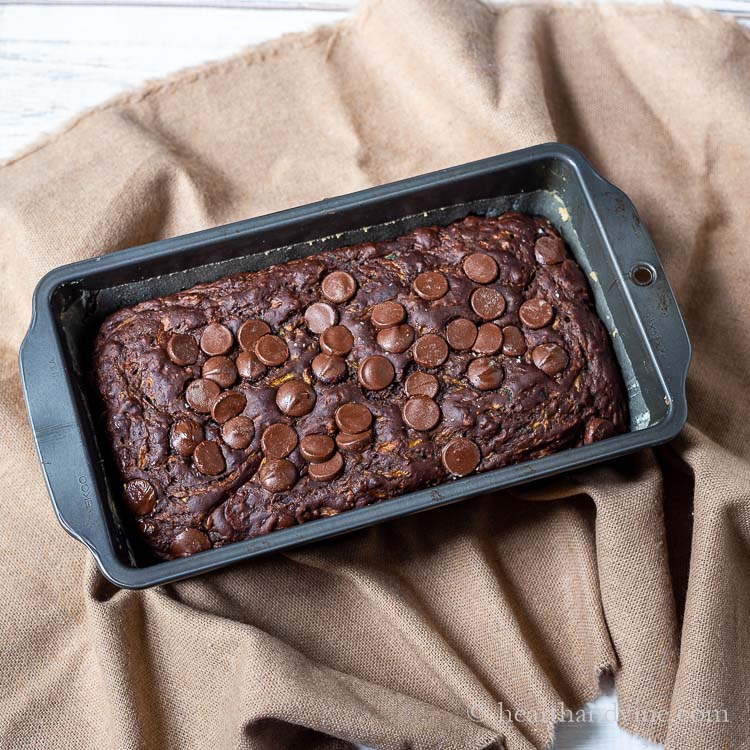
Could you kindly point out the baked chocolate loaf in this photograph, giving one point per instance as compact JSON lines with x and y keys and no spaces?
{"x":273,"y":398}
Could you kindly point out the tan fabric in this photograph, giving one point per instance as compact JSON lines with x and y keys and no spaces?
{"x":408,"y":635}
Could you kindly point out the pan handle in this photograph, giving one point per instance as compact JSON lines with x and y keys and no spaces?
{"x":59,"y":433}
{"x":649,"y":291}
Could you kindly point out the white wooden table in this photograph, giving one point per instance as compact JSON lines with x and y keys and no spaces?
{"x":57,"y":59}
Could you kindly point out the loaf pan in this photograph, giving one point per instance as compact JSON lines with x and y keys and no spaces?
{"x":598,"y":222}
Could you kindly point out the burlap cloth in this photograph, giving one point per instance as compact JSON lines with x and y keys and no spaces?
{"x":427,"y":632}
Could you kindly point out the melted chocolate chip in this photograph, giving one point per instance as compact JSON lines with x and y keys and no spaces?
{"x":597,"y":429}
{"x":487,"y":303}
{"x":185,"y":436}
{"x":238,"y":432}
{"x":278,"y":475}
{"x":140,"y":496}
{"x":489,"y":339}
{"x":339,"y":287}
{"x":549,"y":250}
{"x":250,"y":331}
{"x":431,"y":285}
{"x":295,"y":398}
{"x":200,"y":394}
{"x":216,"y":339}
{"x":249,"y":366}
{"x":353,"y":418}
{"x":353,"y":443}
{"x":549,"y":358}
{"x":328,"y":368}
{"x":182,"y":349}
{"x":227,"y":405}
{"x":271,"y":350}
{"x":387,"y":314}
{"x":328,"y":470}
{"x":514,"y":343}
{"x":337,"y":340}
{"x":320,"y":316}
{"x":480,"y":267}
{"x":421,"y":384}
{"x":208,"y":458}
{"x":484,"y":374}
{"x":221,"y":370}
{"x":421,"y":413}
{"x":317,"y":447}
{"x":396,"y":339}
{"x":430,"y":350}
{"x":460,"y":457}
{"x":536,"y":313}
{"x":278,"y":440}
{"x":188,"y":542}
{"x":461,"y":334}
{"x":376,"y":372}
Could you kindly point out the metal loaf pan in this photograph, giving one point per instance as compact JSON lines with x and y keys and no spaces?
{"x":596,"y":219}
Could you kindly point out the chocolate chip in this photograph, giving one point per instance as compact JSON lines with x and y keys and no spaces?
{"x":328,"y":368}
{"x":295,"y":398}
{"x":278,"y":475}
{"x":536,"y":313}
{"x":487,"y":303}
{"x":431,"y":285}
{"x":320,"y":316}
{"x":250,"y":331}
{"x":339,"y":287}
{"x":480,"y":267}
{"x":188,"y":542}
{"x":489,"y":339}
{"x":421,"y":384}
{"x":208,"y":458}
{"x":328,"y":470}
{"x":221,"y":370}
{"x":201,"y":393}
{"x":460,"y":457}
{"x":271,"y":350}
{"x":317,"y":447}
{"x":396,"y":339}
{"x":249,"y":366}
{"x":182,"y":349}
{"x":337,"y":340}
{"x":238,"y":432}
{"x":140,"y":496}
{"x":597,"y":429}
{"x":278,"y":440}
{"x":484,"y":374}
{"x":286,"y":520}
{"x":387,"y":314}
{"x":514,"y":343}
{"x":376,"y":372}
{"x":461,"y":334}
{"x":430,"y":350}
{"x":216,"y":339}
{"x":549,"y":250}
{"x":353,"y":443}
{"x":186,"y":434}
{"x":227,"y":405}
{"x":549,"y":358}
{"x":421,"y":413}
{"x":353,"y":418}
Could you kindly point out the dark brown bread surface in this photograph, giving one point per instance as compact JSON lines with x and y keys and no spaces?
{"x":563,"y":390}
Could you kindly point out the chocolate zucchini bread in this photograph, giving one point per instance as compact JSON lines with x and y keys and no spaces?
{"x":267,"y":399}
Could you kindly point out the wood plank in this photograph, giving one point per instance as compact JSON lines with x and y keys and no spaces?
{"x":57,"y":61}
